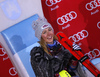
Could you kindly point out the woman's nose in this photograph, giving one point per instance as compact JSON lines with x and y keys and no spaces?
{"x":48,"y":32}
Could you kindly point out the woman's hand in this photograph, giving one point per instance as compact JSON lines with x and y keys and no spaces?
{"x":76,"y":47}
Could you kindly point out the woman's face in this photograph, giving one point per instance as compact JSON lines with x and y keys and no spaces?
{"x":47,"y":35}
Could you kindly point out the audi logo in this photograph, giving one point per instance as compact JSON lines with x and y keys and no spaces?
{"x":93,"y":54}
{"x":79,"y":36}
{"x":52,"y":2}
{"x":1,"y":49}
{"x":66,"y":18}
{"x":12,"y":71}
{"x":92,"y":5}
{"x":3,"y":54}
{"x":98,"y":25}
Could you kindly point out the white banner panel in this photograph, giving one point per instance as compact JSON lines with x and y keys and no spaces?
{"x":14,"y":11}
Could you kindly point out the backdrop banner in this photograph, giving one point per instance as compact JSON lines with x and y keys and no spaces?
{"x":79,"y":20}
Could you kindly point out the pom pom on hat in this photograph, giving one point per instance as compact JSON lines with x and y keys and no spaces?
{"x":39,"y":25}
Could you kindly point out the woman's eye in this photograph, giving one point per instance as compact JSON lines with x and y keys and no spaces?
{"x":44,"y":32}
{"x":50,"y":29}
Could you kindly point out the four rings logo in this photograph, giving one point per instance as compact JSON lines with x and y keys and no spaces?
{"x":79,"y":36}
{"x":1,"y":50}
{"x":98,"y":24}
{"x":92,"y":5}
{"x":66,"y":18}
{"x":52,"y":2}
{"x":93,"y":54}
{"x":3,"y":54}
{"x":12,"y":71}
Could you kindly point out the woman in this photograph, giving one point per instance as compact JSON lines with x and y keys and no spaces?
{"x":51,"y":57}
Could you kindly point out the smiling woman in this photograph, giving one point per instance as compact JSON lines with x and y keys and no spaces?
{"x":51,"y":59}
{"x":47,"y":35}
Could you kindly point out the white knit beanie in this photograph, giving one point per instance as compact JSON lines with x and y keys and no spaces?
{"x":39,"y":25}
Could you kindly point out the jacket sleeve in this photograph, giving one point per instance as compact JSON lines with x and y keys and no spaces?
{"x":37,"y":54}
{"x":36,"y":57}
{"x":69,"y":59}
{"x":61,"y":60}
{"x":67,"y":55}
{"x":39,"y":63}
{"x":73,"y":62}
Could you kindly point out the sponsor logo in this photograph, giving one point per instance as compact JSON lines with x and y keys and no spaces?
{"x":44,"y":26}
{"x":68,"y":25}
{"x":92,"y":5}
{"x":11,"y":9}
{"x":96,"y":11}
{"x":3,"y":54}
{"x":12,"y":71}
{"x":66,"y":18}
{"x":56,"y":7}
{"x":83,"y":58}
{"x":98,"y":24}
{"x":52,"y":2}
{"x":79,"y":36}
{"x":93,"y":54}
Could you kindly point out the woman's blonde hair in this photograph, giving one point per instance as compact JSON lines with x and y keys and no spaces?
{"x":43,"y":44}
